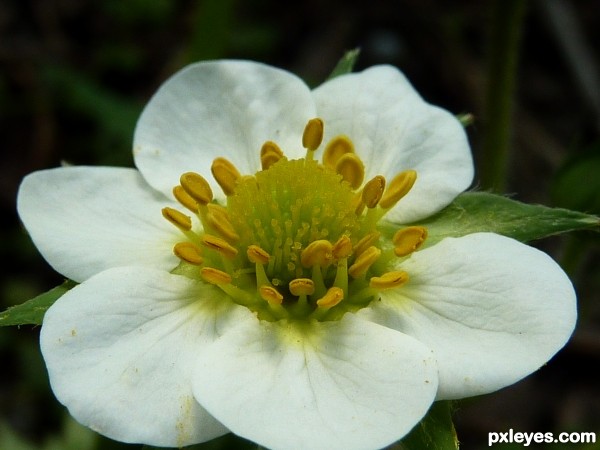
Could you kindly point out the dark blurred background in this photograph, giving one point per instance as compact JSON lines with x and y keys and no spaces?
{"x":75,"y":74}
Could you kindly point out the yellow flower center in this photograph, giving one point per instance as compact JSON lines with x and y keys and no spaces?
{"x":299,"y":238}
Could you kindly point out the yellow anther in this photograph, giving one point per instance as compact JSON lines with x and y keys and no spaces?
{"x":188,"y":252}
{"x":215,"y":276}
{"x":270,"y":153}
{"x":271,"y":295}
{"x":373,"y":191}
{"x":302,"y":286}
{"x":220,"y":245}
{"x":357,"y":204}
{"x":220,"y":223}
{"x":342,"y":248}
{"x":367,"y":241}
{"x":335,"y":149}
{"x":226,"y":175}
{"x":313,"y":134}
{"x":400,"y":185}
{"x":351,"y":168}
{"x":177,"y":218}
{"x":389,"y":280}
{"x":185,"y":199}
{"x":317,"y":253}
{"x":363,"y":262}
{"x":257,"y":255}
{"x":218,"y":210}
{"x":333,"y":296}
{"x":248,"y":179}
{"x":408,"y":240}
{"x":197,"y":187}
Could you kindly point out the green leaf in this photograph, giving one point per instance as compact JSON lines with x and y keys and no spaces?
{"x":345,"y":64}
{"x":435,"y":432}
{"x":32,"y":311}
{"x":474,"y":212}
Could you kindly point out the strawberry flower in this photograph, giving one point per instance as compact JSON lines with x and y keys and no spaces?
{"x":285,"y":300}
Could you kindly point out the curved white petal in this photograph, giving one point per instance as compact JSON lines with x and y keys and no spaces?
{"x":493,"y":310}
{"x":120,"y":350}
{"x":346,"y":385}
{"x":219,"y":108}
{"x":84,"y":220}
{"x":393,"y":130}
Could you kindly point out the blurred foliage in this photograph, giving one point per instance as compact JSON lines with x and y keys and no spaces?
{"x":75,"y":75}
{"x":577,"y":184}
{"x":435,"y":432}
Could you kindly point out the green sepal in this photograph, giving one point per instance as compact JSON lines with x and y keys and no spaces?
{"x":435,"y":432}
{"x":32,"y":311}
{"x":345,"y":64}
{"x":474,"y":212}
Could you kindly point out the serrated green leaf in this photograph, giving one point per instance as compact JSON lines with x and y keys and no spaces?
{"x":345,"y":64}
{"x":32,"y":311}
{"x":435,"y":432}
{"x":474,"y":212}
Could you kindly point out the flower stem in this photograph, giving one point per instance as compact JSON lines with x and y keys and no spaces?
{"x":507,"y":18}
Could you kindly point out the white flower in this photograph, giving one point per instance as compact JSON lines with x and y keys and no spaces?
{"x":295,"y":314}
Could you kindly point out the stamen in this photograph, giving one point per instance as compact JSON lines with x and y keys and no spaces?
{"x":257,"y":255}
{"x":220,"y":245}
{"x":215,"y":276}
{"x":358,"y":206}
{"x":226,"y":175}
{"x":409,"y":240}
{"x":185,"y":199}
{"x":313,"y":134}
{"x":219,"y":222}
{"x":218,"y":210}
{"x":177,"y":218}
{"x":271,"y":295}
{"x":302,"y":286}
{"x":364,"y":261}
{"x":373,"y":191}
{"x":197,"y":187}
{"x":342,"y":248}
{"x":188,"y":252}
{"x":333,"y":296}
{"x":400,"y":185}
{"x":351,"y":168}
{"x":389,"y":280}
{"x":367,"y":241}
{"x":270,"y":153}
{"x":335,"y":149}
{"x":317,"y":253}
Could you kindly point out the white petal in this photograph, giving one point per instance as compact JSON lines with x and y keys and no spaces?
{"x":223,"y":108}
{"x":338,"y":385}
{"x":393,"y":130}
{"x":493,"y":310}
{"x":120,"y":349}
{"x":84,"y":220}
